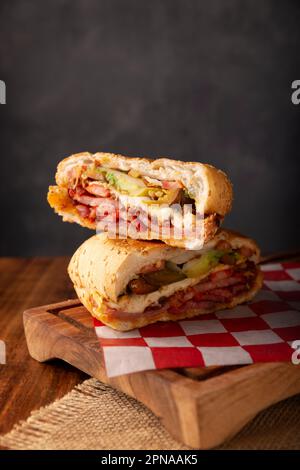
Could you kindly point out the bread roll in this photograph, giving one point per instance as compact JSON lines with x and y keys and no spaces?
{"x":209,"y":190}
{"x":102,"y":269}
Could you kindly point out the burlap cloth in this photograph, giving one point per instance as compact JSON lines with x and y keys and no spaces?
{"x":95,"y":416}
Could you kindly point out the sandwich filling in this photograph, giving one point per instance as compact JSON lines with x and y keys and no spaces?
{"x":104,"y":195}
{"x":202,"y":283}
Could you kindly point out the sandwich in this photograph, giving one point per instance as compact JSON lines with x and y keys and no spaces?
{"x":179,"y":203}
{"x":128,"y":284}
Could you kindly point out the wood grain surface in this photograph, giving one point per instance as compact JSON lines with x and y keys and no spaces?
{"x":25,"y":384}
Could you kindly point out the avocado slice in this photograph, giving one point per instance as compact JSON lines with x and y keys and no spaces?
{"x":120,"y":180}
{"x":134,"y":186}
{"x":200,"y":266}
{"x":129,"y":184}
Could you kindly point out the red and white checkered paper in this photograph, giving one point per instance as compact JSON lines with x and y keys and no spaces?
{"x":262,"y":330}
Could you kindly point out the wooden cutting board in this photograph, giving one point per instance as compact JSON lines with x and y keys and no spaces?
{"x":201,"y":407}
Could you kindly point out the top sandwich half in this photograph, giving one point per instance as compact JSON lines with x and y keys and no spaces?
{"x":180,"y":203}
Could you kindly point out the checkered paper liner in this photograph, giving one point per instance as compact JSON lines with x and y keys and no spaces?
{"x":262,"y":330}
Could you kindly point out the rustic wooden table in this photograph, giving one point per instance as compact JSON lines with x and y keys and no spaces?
{"x":25,"y":384}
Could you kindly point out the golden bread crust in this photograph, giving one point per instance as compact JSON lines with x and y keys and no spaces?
{"x":59,"y":199}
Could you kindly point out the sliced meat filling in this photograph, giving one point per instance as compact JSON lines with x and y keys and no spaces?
{"x":217,"y":288}
{"x":101,"y":188}
{"x":99,"y":205}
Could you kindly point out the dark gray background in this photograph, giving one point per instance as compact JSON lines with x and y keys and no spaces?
{"x":196,"y":80}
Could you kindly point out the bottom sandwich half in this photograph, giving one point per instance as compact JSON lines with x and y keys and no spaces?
{"x":128,"y":284}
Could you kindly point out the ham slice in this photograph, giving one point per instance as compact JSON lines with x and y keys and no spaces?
{"x":91,"y":206}
{"x":81,"y":196}
{"x":217,"y":295}
{"x":210,"y":285}
{"x":88,"y":200}
{"x":172,"y":184}
{"x":97,"y":190}
{"x":84,"y":211}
